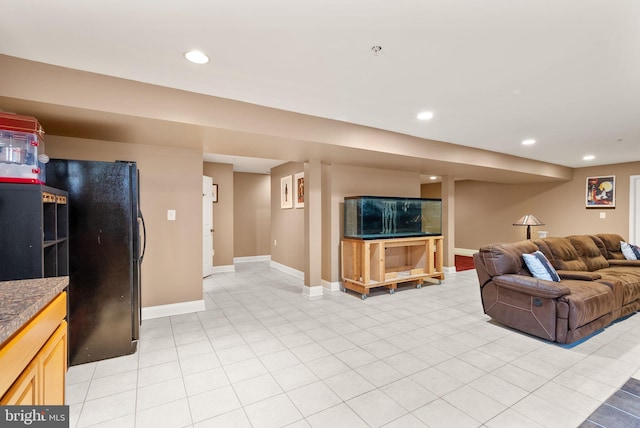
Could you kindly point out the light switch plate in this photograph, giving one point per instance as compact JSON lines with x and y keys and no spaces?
{"x":171,"y":215}
{"x":603,"y":215}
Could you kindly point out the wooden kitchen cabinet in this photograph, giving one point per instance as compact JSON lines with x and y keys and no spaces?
{"x":54,"y":366}
{"x":24,"y":391}
{"x":370,"y":263}
{"x":34,"y":360}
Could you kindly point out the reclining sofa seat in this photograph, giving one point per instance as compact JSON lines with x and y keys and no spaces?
{"x":597,"y":287}
{"x":627,"y":272}
{"x":578,"y":257}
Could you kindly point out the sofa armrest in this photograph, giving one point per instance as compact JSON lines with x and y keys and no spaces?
{"x":623,"y":262}
{"x":532,"y":286}
{"x":579,"y":275}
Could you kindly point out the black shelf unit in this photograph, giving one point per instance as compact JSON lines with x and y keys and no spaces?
{"x":34,"y":225}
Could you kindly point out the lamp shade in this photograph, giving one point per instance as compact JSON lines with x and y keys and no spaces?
{"x":528,"y":220}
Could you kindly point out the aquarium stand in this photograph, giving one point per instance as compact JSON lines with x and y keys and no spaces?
{"x":372,"y":263}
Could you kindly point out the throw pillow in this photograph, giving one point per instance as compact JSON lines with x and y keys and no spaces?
{"x":540,"y":267}
{"x":630,"y":251}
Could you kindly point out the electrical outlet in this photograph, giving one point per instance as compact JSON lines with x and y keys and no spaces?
{"x":603,"y":215}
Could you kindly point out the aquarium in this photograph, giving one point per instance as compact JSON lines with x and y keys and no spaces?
{"x":376,"y":217}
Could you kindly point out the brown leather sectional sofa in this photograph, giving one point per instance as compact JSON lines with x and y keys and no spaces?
{"x":598,"y":286}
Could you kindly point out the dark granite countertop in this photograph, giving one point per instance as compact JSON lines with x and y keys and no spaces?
{"x":21,"y":300}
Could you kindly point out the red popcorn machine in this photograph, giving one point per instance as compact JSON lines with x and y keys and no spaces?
{"x":21,"y":138}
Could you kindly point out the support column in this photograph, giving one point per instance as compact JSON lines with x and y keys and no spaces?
{"x":313,"y":228}
{"x":448,"y":223}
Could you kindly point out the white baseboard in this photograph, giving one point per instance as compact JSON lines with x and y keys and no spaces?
{"x":249,"y":259}
{"x":159,"y":311}
{"x":286,"y":269}
{"x":464,"y":252}
{"x":448,"y":270}
{"x":315,"y":291}
{"x":224,"y":268}
{"x":331,"y":286}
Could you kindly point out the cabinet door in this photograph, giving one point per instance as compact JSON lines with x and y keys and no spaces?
{"x":54,"y":366}
{"x":21,"y":237}
{"x":24,"y":391}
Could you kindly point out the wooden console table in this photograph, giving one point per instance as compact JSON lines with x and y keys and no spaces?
{"x":374,"y":263}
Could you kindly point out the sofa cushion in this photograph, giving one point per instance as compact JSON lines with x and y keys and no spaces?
{"x":587,"y":302}
{"x":561,"y":253}
{"x":611,"y":244}
{"x":501,"y":259}
{"x":589,"y":252}
{"x":540,"y":267}
{"x":629,"y":279}
{"x":601,"y":246}
{"x":630,"y":251}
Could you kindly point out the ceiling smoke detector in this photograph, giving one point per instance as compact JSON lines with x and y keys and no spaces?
{"x":376,"y":49}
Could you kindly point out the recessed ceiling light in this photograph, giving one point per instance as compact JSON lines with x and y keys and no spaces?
{"x":528,"y":142}
{"x":196,"y":57}
{"x":588,"y":157}
{"x":425,"y":115}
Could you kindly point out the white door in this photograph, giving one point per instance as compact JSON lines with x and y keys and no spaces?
{"x":207,"y":226}
{"x":634,"y":210}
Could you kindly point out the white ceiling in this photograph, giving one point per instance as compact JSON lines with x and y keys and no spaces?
{"x":495,"y":72}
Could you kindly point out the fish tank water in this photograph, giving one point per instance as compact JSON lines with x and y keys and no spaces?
{"x":379,"y":217}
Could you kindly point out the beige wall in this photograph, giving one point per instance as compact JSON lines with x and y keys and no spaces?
{"x":252,"y":214}
{"x":223,"y":217}
{"x":431,"y":190}
{"x":169,"y":179}
{"x":485,"y":212}
{"x":287,"y":225}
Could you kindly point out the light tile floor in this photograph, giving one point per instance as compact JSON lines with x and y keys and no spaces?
{"x":263,"y":355}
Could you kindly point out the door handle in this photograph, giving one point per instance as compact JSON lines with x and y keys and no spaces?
{"x":144,"y":230}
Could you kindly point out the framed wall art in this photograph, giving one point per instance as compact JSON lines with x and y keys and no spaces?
{"x":299,"y":190}
{"x":286,"y":192}
{"x":601,"y":191}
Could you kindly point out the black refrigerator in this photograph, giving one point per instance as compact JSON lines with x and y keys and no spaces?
{"x":107,"y":239}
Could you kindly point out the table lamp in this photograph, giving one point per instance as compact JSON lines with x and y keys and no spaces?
{"x":528,"y":220}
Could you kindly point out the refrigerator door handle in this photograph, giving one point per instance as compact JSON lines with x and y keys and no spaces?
{"x":144,"y":241}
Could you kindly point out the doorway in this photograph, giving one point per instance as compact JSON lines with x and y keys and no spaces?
{"x":207,"y":226}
